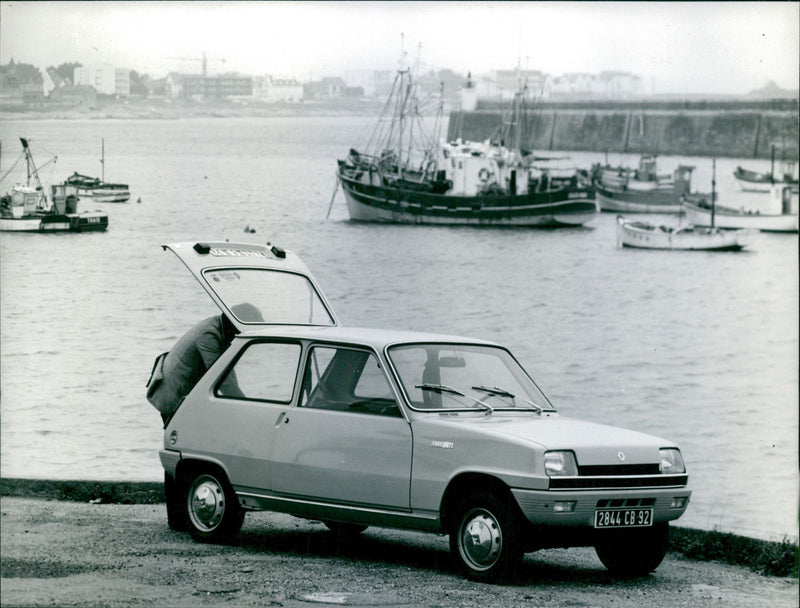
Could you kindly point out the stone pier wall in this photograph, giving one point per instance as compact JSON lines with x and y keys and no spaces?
{"x":721,"y":133}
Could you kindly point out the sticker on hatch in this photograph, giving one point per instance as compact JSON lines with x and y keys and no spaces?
{"x":237,"y":253}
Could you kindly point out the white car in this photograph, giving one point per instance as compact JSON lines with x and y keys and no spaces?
{"x":366,"y":427}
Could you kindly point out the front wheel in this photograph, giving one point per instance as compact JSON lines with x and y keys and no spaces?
{"x":486,"y":539}
{"x":636,"y":552}
{"x":213,"y":509}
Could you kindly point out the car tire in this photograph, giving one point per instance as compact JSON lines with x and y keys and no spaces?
{"x":486,"y":539}
{"x":177,"y":517}
{"x":212,"y":507}
{"x":343,"y":530}
{"x":633,"y":553}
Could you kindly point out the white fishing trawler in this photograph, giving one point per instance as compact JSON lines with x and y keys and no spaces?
{"x":405,"y":175}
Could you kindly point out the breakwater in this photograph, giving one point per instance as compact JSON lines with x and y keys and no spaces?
{"x":715,"y":130}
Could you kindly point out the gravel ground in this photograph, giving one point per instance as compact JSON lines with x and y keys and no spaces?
{"x":79,"y":554}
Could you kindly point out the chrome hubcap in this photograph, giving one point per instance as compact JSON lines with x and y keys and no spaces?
{"x":481,"y":539}
{"x":206,"y":503}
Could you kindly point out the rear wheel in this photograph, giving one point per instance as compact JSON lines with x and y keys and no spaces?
{"x":177,"y":517}
{"x":635,"y":552}
{"x":214,"y":514}
{"x":485,"y":538}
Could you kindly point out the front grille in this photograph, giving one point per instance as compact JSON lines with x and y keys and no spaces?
{"x":591,"y":483}
{"x":626,"y":503}
{"x":618,"y":469}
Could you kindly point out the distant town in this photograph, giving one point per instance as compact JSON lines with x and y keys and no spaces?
{"x":73,"y":85}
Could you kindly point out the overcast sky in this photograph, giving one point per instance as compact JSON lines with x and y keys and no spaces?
{"x":705,"y":47}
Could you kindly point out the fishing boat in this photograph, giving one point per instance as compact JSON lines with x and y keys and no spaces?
{"x":644,"y":235}
{"x":645,"y":177}
{"x":26,"y":208}
{"x":779,"y":215}
{"x":642,"y":190}
{"x":406,"y":174}
{"x":756,"y":181}
{"x":96,"y":187}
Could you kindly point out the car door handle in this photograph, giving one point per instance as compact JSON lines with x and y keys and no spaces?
{"x":282,"y":417}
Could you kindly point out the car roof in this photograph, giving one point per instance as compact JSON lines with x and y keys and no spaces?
{"x":378,"y":339}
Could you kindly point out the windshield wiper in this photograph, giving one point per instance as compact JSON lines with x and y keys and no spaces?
{"x":443,"y":388}
{"x":501,"y":392}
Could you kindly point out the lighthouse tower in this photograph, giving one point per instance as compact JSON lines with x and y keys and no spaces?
{"x":469,"y":95}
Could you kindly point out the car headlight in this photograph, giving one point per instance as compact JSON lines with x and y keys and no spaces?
{"x":671,"y":461}
{"x":560,"y":464}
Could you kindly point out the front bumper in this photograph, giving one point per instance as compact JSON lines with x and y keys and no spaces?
{"x":538,"y":506}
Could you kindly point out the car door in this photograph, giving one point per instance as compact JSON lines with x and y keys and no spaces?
{"x":231,"y":417}
{"x":347,"y":440}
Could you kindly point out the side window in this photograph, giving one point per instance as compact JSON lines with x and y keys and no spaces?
{"x":346,"y":380}
{"x":265,"y":371}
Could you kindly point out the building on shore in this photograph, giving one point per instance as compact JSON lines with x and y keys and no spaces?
{"x":104,"y":78}
{"x":277,"y":90}
{"x":199,"y":87}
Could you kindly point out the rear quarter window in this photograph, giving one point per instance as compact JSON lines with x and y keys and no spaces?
{"x":265,"y":371}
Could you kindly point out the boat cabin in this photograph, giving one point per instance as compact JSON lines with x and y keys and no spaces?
{"x":482,"y":168}
{"x":26,"y":201}
{"x":783,"y":199}
{"x":65,"y":198}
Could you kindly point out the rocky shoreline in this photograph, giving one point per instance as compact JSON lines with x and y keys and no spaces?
{"x":765,"y":557}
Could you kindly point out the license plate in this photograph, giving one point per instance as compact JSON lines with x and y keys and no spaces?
{"x":623,"y":518}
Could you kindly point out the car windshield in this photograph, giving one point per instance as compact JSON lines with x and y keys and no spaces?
{"x":465,"y":376}
{"x":261,"y":296}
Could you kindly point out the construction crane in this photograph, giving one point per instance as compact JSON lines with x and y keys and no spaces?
{"x":203,"y":59}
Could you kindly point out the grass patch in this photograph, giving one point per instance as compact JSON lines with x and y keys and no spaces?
{"x":103,"y":492}
{"x":765,"y":557}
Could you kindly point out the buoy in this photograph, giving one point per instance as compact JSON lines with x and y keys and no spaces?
{"x":139,"y":200}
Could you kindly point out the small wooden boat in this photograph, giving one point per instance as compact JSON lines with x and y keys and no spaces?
{"x":756,"y":181}
{"x":96,"y":187}
{"x":780,"y":215}
{"x":643,"y":235}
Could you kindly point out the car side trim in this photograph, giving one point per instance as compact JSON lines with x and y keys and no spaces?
{"x":316,"y":510}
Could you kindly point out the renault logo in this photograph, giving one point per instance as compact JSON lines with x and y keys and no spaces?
{"x":621,"y":456}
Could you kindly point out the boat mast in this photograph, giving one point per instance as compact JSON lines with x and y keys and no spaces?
{"x":772,"y":166}
{"x":713,"y":188}
{"x":31,"y":166}
{"x":103,"y":159}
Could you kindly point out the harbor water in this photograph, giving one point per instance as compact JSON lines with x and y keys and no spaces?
{"x":697,"y":347}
